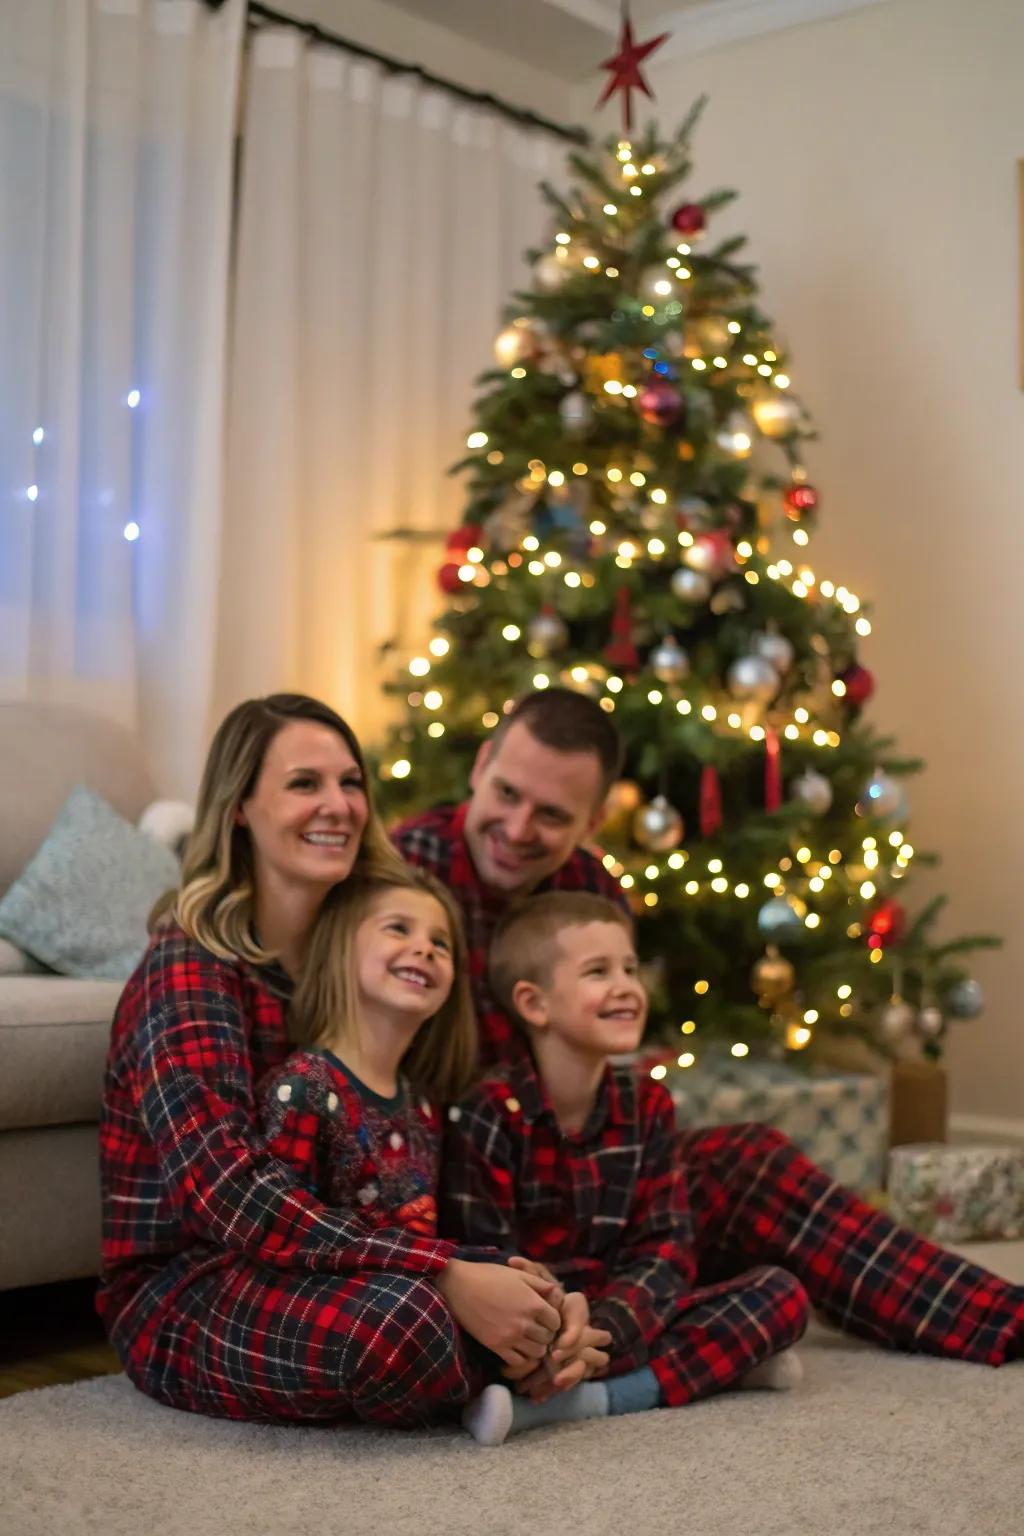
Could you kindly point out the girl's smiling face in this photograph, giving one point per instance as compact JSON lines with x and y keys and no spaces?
{"x":402,"y":955}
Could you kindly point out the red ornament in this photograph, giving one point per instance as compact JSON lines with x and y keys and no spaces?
{"x":689,"y":219}
{"x":799,"y":499}
{"x":713,"y":553}
{"x":860,"y":684}
{"x":448,"y":578}
{"x":710,"y":801}
{"x":464,"y":537}
{"x":621,"y":651}
{"x":624,"y":67}
{"x":659,"y":403}
{"x":772,"y":770}
{"x":887,"y":924}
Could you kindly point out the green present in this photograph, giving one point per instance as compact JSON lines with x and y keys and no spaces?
{"x":839,"y":1119}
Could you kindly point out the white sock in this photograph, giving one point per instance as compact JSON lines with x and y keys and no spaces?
{"x":498,"y":1413}
{"x":780,"y":1373}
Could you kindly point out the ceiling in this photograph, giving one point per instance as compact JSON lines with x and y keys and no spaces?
{"x":570,"y":38}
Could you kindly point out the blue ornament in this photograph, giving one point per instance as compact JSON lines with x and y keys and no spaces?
{"x":966,"y":1000}
{"x":780,"y":919}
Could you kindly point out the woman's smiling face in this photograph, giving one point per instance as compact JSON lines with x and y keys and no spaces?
{"x":308,"y":810}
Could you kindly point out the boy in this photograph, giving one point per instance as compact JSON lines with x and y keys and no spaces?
{"x":575,"y":1165}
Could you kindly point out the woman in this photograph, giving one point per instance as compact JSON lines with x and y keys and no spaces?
{"x":227,"y":1287}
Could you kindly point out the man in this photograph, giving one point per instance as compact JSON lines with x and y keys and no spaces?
{"x":538,"y":787}
{"x":536,"y":794}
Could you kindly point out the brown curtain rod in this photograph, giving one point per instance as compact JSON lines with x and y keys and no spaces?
{"x":258,"y":15}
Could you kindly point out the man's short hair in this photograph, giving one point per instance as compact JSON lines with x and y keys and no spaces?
{"x":525,"y":942}
{"x":567,"y":721}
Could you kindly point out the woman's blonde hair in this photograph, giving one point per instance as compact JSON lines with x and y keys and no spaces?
{"x":442,"y":1057}
{"x":214,"y":902}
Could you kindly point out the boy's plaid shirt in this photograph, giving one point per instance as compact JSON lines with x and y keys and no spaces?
{"x":435,"y":841}
{"x":606,"y":1210}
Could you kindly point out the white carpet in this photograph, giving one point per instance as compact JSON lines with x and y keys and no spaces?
{"x":871,"y":1443}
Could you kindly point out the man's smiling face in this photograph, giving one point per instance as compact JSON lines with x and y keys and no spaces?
{"x":531,"y":806}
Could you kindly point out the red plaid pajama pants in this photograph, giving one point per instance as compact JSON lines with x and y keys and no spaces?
{"x":758,"y":1200}
{"x":235,"y":1340}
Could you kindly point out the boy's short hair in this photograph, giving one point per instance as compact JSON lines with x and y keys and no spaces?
{"x":525,"y":942}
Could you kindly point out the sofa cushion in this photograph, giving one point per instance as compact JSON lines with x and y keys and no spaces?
{"x":81,"y":904}
{"x":47,"y":750}
{"x":15,"y":962}
{"x":53,"y":1044}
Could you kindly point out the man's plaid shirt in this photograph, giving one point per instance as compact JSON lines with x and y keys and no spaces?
{"x":606,"y":1210}
{"x":436,"y":841}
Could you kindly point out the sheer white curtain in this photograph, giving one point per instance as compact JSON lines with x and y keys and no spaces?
{"x":116,"y":141}
{"x":381,"y":228}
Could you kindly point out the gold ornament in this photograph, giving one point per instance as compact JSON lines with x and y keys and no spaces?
{"x":600,"y":368}
{"x":772,"y":978}
{"x":622,"y":801}
{"x":777,"y":415}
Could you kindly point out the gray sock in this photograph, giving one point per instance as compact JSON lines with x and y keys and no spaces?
{"x":587,"y":1401}
{"x":635,"y":1393}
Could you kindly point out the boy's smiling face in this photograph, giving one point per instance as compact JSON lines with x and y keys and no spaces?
{"x":593,"y":1000}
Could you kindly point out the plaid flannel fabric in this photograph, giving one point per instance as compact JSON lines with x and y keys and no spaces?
{"x":435,"y":841}
{"x":227,"y":1286}
{"x":607,"y":1211}
{"x":755,"y":1197}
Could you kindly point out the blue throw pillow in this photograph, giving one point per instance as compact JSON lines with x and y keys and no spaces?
{"x":80,"y":905}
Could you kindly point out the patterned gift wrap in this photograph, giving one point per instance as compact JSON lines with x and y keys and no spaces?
{"x":840,"y":1120}
{"x":958,"y":1194}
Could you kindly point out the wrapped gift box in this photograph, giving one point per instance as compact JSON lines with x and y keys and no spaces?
{"x":840,"y":1119}
{"x":958,"y":1194}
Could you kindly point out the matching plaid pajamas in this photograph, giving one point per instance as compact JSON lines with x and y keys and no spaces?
{"x":608,"y":1212}
{"x":229,"y":1287}
{"x":755,"y":1198}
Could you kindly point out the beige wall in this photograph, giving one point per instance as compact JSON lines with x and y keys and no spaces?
{"x":876,"y":157}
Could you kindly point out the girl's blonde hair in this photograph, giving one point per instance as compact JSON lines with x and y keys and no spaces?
{"x":442,"y":1057}
{"x":214,"y":902}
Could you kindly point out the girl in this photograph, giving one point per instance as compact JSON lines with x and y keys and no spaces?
{"x":228,"y":1287}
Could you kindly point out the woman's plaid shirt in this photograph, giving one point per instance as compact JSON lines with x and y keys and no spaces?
{"x":435,"y":841}
{"x":606,"y":1210}
{"x":183,"y":1167}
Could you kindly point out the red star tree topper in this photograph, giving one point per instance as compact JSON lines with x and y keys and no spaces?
{"x":625,"y":69}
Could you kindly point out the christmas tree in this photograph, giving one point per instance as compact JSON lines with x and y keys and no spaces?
{"x":638,"y":525}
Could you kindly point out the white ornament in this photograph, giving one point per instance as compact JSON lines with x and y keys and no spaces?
{"x":669,"y":662}
{"x":690,"y":586}
{"x":751,"y":677}
{"x":776,"y":649}
{"x":814,"y":790}
{"x":576,"y":412}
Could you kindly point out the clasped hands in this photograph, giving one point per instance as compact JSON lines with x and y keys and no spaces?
{"x":521,"y":1313}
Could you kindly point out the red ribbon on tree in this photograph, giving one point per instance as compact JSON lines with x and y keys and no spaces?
{"x":772,"y":770}
{"x":710,"y":801}
{"x":621,"y":651}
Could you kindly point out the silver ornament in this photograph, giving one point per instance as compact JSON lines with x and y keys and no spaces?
{"x":669,"y":662}
{"x":930,"y":1022}
{"x":690,"y":586}
{"x":695,"y":511}
{"x":882,"y":797}
{"x":895,"y":1021}
{"x":545,"y":634}
{"x":657,"y":826}
{"x":780,"y":919}
{"x":737,"y":436}
{"x":751,"y":677}
{"x":576,"y":412}
{"x":701,"y":556}
{"x":728,"y":598}
{"x":966,"y":1000}
{"x":814,"y":790}
{"x":776,"y":649}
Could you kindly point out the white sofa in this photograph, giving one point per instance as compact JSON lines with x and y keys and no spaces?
{"x":53,"y":1029}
